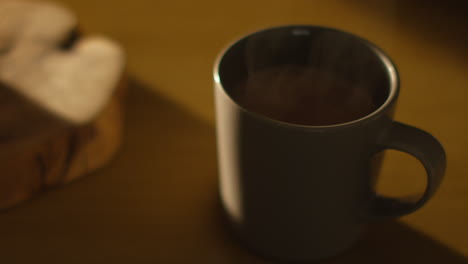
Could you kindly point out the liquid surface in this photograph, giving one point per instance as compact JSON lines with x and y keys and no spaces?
{"x":304,"y":96}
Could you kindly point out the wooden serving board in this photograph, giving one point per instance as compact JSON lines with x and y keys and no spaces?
{"x":61,"y":99}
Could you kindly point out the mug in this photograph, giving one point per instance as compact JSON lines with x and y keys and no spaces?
{"x":296,"y":192}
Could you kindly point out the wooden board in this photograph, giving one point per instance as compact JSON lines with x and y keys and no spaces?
{"x":61,"y":100}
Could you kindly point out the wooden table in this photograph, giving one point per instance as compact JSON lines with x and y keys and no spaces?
{"x":157,"y":201}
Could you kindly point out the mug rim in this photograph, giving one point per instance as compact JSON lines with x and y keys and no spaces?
{"x":389,"y":66}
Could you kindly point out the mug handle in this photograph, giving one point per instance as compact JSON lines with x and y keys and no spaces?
{"x":428,"y":151}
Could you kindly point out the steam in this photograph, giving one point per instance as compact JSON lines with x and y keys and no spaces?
{"x":310,"y":77}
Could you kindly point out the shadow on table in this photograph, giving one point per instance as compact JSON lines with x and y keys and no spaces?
{"x":396,"y":242}
{"x":157,"y":203}
{"x":385,"y":243}
{"x":442,"y":24}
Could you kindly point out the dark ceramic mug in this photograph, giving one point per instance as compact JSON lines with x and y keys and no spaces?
{"x":297,"y":192}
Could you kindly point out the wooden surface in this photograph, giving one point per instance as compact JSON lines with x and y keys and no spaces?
{"x":156,"y":202}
